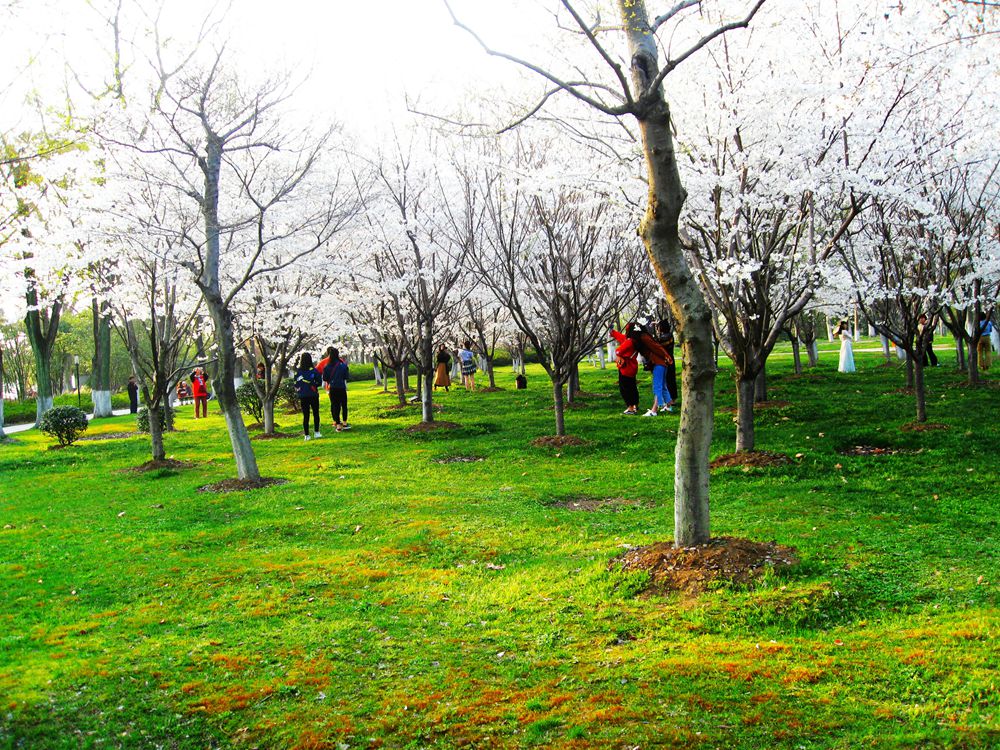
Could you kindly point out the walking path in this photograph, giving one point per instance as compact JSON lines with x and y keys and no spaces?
{"x":11,"y":429}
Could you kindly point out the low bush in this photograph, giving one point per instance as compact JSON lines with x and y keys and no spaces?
{"x":249,"y":401}
{"x":64,"y":423}
{"x":166,"y":419}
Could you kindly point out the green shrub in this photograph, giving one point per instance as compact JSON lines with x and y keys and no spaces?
{"x":166,"y":419}
{"x":249,"y":401}
{"x":287,"y":397}
{"x":64,"y":423}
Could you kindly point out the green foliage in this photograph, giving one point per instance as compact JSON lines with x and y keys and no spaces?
{"x":167,"y":417}
{"x":249,"y":401}
{"x":64,"y":423}
{"x":287,"y":397}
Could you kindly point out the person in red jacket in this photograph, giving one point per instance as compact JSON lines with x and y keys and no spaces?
{"x":627,"y":361}
{"x":199,"y":391}
{"x":659,"y":358}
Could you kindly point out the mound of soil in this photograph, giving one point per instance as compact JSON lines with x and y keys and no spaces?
{"x":458,"y":459}
{"x":924,"y":427}
{"x":242,"y":485}
{"x":167,"y":463}
{"x":773,"y":404}
{"x":431,"y":426}
{"x":756,"y":459}
{"x":587,"y":503}
{"x":494,"y":389}
{"x":109,"y":436}
{"x":867,"y":450}
{"x":275,"y":435}
{"x":693,"y":569}
{"x":557,"y":441}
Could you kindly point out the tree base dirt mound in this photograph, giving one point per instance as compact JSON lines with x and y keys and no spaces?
{"x":692,"y":570}
{"x":431,"y":427}
{"x":492,"y":389}
{"x":242,"y":485}
{"x":458,"y":459}
{"x":587,"y":503}
{"x":276,"y":435}
{"x":748,"y":459}
{"x":557,"y":441}
{"x":775,"y":404}
{"x":924,"y":427}
{"x":109,"y":436}
{"x":156,"y":465}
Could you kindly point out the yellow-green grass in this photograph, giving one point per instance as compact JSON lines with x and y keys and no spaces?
{"x":381,"y":598}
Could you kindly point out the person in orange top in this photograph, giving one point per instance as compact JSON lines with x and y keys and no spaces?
{"x":627,"y":361}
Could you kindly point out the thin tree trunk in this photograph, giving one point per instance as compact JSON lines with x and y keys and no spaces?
{"x":909,"y":372}
{"x":960,"y":354}
{"x":155,"y":414}
{"x":491,"y":373}
{"x":813,"y":349}
{"x":660,"y":233}
{"x":919,"y":389}
{"x":796,"y":356}
{"x":2,"y":435}
{"x":268,"y":408}
{"x":427,"y":370}
{"x":973,"y":361}
{"x":760,"y":386}
{"x":885,"y":349}
{"x":745,"y":389}
{"x":400,"y":385}
{"x":559,"y":406}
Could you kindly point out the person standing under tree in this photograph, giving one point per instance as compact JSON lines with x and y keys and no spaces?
{"x":335,"y":376}
{"x":627,"y":362}
{"x":442,"y":379}
{"x":307,"y":383}
{"x":133,"y":395}
{"x":930,"y":358}
{"x":666,"y":340}
{"x":199,"y":392}
{"x":468,"y":359}
{"x":656,"y":357}
{"x":846,"y":348}
{"x":984,"y":349}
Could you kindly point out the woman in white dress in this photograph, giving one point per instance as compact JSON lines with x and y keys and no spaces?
{"x":846,"y":348}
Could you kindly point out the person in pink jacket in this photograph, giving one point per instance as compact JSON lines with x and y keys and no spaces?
{"x":627,"y":361}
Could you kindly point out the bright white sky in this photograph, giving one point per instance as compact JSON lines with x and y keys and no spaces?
{"x":359,"y":58}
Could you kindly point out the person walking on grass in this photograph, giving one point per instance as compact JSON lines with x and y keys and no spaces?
{"x":307,"y":383}
{"x":846,"y":348}
{"x":442,"y":379}
{"x":627,"y":362}
{"x":984,"y":349}
{"x":468,"y":359}
{"x":199,"y":392}
{"x":930,"y":358}
{"x":335,"y":376}
{"x":657,"y":358}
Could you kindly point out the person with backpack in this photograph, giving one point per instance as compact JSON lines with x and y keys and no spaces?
{"x":656,"y":359}
{"x":666,"y":340}
{"x":627,"y":361}
{"x":307,"y":382}
{"x":335,"y":376}
{"x":468,"y":359}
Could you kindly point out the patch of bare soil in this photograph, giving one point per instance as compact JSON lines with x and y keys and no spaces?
{"x":867,"y":450}
{"x":458,"y":459}
{"x":588,"y":394}
{"x":557,"y":441}
{"x":494,"y":389}
{"x":167,"y":463}
{"x":412,"y":404}
{"x":903,"y":392}
{"x":757,"y":459}
{"x":569,"y":406}
{"x":109,"y":436}
{"x":693,"y":569}
{"x":242,"y":485}
{"x":431,"y":426}
{"x":924,"y":427}
{"x":275,"y":435}
{"x":588,"y":503}
{"x":760,"y":405}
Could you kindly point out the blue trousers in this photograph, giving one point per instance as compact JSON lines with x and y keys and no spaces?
{"x":661,"y":396}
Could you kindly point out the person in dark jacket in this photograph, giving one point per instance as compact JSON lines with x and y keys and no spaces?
{"x":133,"y":395}
{"x":657,"y":357}
{"x":307,"y":383}
{"x":666,"y":340}
{"x":335,"y":376}
{"x":442,"y":379}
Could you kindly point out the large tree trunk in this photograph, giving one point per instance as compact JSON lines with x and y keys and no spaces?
{"x":660,"y":233}
{"x":490,"y":372}
{"x":813,"y":348}
{"x":960,"y":354}
{"x":427,"y":371}
{"x":2,"y":435}
{"x":42,"y":337}
{"x":918,"y":388}
{"x":400,"y":385}
{"x":760,"y":386}
{"x":267,"y":405}
{"x":100,"y":370}
{"x":973,"y":362}
{"x":909,"y":372}
{"x":886,"y":352}
{"x":559,"y":406}
{"x":745,"y":388}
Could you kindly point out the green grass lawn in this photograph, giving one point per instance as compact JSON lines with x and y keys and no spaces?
{"x":383,"y":598}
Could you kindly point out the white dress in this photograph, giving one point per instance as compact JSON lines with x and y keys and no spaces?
{"x":846,"y":352}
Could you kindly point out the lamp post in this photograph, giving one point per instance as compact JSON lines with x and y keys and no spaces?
{"x":76,"y":361}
